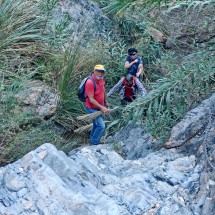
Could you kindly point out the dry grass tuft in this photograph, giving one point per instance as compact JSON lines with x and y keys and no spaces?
{"x":90,"y":117}
{"x":85,"y":128}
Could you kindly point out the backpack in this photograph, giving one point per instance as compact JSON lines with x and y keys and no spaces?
{"x":81,"y":89}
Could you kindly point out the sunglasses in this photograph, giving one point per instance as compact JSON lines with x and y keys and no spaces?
{"x":132,"y":54}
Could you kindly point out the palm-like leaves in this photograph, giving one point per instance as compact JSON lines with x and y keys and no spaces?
{"x":172,"y":97}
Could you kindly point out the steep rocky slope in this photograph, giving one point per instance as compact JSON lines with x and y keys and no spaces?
{"x":97,"y":180}
{"x":87,"y":19}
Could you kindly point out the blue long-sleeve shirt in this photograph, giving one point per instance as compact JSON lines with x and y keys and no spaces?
{"x":133,"y":69}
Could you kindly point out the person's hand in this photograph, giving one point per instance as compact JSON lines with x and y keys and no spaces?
{"x":138,"y":75}
{"x":136,"y":61}
{"x":105,"y":110}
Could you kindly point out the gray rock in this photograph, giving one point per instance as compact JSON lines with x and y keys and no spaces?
{"x":22,"y":192}
{"x":174,"y":209}
{"x":194,"y":121}
{"x":12,"y":182}
{"x":95,"y":180}
{"x":38,"y":98}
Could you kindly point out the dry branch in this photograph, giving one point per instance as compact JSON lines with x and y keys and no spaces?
{"x":92,"y":116}
{"x":85,"y":128}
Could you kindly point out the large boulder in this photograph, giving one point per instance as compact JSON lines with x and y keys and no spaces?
{"x":38,"y":98}
{"x":87,"y":19}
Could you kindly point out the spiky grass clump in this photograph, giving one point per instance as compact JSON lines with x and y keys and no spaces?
{"x":24,"y":40}
{"x":28,"y":139}
{"x":172,"y":96}
{"x":21,"y":27}
{"x":78,"y":63}
{"x":92,"y":116}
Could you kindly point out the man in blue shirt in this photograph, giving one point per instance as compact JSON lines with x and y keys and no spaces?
{"x":133,"y":63}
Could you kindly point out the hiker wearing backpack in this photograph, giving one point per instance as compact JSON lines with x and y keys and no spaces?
{"x":96,"y":100}
{"x":129,"y":86}
{"x":133,"y":63}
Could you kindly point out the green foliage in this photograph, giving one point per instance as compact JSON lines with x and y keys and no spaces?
{"x":133,"y":25}
{"x":119,"y":6}
{"x":28,"y":49}
{"x":30,"y":40}
{"x":27,"y":140}
{"x":74,"y":61}
{"x":114,"y":52}
{"x":117,"y":148}
{"x":59,"y":32}
{"x":172,"y":96}
{"x":21,"y":26}
{"x":78,"y":63}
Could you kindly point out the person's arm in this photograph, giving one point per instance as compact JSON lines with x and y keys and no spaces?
{"x":141,"y":88}
{"x":139,"y":70}
{"x":115,"y":88}
{"x":128,"y":65}
{"x":94,"y":102}
{"x":106,"y":102}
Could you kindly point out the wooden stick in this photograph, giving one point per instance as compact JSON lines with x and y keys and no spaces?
{"x":91,"y":116}
{"x":85,"y":128}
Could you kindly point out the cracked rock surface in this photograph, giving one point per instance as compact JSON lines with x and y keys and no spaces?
{"x":97,"y":180}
